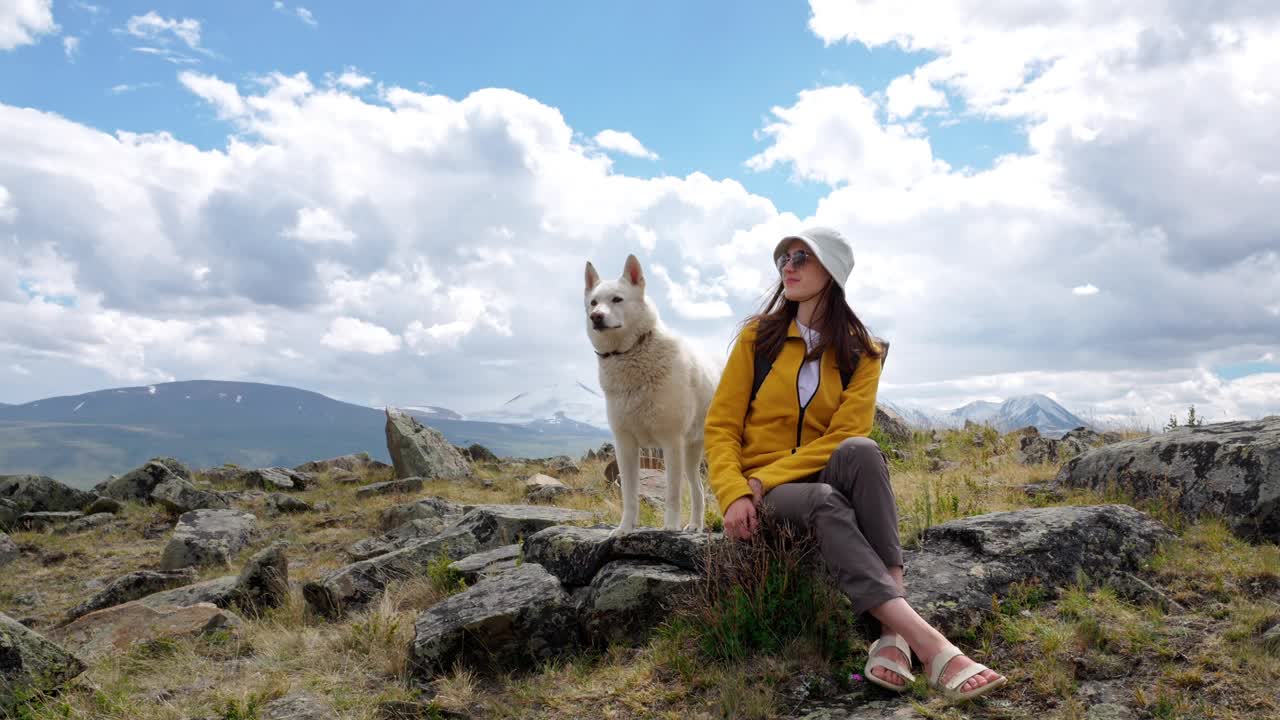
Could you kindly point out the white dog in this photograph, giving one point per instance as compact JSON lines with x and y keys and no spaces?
{"x":656,"y":391}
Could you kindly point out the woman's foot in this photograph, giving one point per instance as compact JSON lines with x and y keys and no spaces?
{"x":975,"y":678}
{"x":889,"y":662}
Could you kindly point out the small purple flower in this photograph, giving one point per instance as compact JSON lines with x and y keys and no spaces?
{"x":855,"y":677}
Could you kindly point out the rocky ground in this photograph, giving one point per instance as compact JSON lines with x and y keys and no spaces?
{"x":1108,"y":576}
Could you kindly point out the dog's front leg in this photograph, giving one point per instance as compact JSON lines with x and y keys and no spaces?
{"x":673,"y":458}
{"x":628,"y":451}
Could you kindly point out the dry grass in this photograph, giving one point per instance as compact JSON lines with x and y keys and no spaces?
{"x":1207,"y":662}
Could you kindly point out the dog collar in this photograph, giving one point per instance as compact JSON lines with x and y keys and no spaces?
{"x":624,"y":352}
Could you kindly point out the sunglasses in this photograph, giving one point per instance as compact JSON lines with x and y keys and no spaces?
{"x":797,"y":259}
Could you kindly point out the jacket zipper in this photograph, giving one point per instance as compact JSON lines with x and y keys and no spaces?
{"x":805,"y":406}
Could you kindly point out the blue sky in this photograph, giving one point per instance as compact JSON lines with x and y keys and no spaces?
{"x":1064,"y":198}
{"x":693,"y":81}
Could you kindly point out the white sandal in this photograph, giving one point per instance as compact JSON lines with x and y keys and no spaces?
{"x":951,"y":690}
{"x":875,"y":661}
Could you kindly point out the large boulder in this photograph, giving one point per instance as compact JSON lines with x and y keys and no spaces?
{"x":30,"y":664}
{"x":115,"y":629}
{"x":965,"y":562}
{"x":1231,"y":470}
{"x":572,"y":554}
{"x":8,"y":550}
{"x":355,"y":463}
{"x":208,"y":537}
{"x":512,"y":620}
{"x":274,"y":478}
{"x":138,"y":483}
{"x":132,"y":586}
{"x":281,"y":504}
{"x":264,"y":581}
{"x":9,"y":514}
{"x":893,"y":425}
{"x":684,"y":549}
{"x":221,"y":591}
{"x":83,"y":524}
{"x":494,"y":525}
{"x":420,"y":451}
{"x":38,"y":521}
{"x":481,"y":564}
{"x":628,"y":598}
{"x":39,"y":493}
{"x":179,"y":496}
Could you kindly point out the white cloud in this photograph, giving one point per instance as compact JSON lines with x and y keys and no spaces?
{"x":1086,"y":289}
{"x":155,"y":28}
{"x":351,"y":78}
{"x":625,"y":143}
{"x":306,"y":16}
{"x":317,"y":225}
{"x":123,"y":88}
{"x":224,"y":96}
{"x":8,"y":212}
{"x":908,"y":93}
{"x":70,"y":47}
{"x":22,"y":22}
{"x":19,"y":369}
{"x":355,"y":335}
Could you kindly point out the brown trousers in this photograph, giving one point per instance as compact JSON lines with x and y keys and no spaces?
{"x":849,"y":507}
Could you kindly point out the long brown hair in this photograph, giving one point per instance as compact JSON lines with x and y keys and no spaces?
{"x":837,"y":324}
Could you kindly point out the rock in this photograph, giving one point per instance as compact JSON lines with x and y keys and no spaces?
{"x":221,"y":591}
{"x":684,"y":549}
{"x":37,"y":521}
{"x":138,"y":483}
{"x":208,"y":537}
{"x":965,"y":562}
{"x":40,"y":493}
{"x":297,"y":706}
{"x":115,"y":629}
{"x":893,"y":425}
{"x":1109,"y":711}
{"x":1271,"y":640}
{"x":104,"y":505}
{"x":1230,"y":470}
{"x":133,"y":586}
{"x":30,"y":664}
{"x":572,"y":554}
{"x":427,"y":508}
{"x":419,"y":451}
{"x":410,"y":533}
{"x":562,"y":465}
{"x":179,"y":496}
{"x":9,"y":513}
{"x":1037,"y":450}
{"x":611,"y":472}
{"x":279,"y":504}
{"x":88,"y":522}
{"x":628,"y":598}
{"x":264,"y":581}
{"x":1136,"y":590}
{"x":403,"y":486}
{"x":473,"y":567}
{"x":8,"y":550}
{"x":653,"y":484}
{"x":356,"y":463}
{"x":480,"y":453}
{"x":275,"y":478}
{"x":513,"y":620}
{"x":494,"y":525}
{"x":352,"y":586}
{"x":544,"y":488}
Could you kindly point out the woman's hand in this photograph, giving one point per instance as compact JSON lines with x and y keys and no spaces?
{"x":741,"y":520}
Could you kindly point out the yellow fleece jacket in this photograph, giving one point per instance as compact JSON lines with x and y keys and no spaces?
{"x":775,"y":439}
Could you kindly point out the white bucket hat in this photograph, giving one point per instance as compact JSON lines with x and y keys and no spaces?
{"x":829,"y":246}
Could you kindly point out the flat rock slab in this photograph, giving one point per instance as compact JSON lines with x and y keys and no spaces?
{"x":353,"y":586}
{"x":208,"y":537}
{"x":275,"y":478}
{"x":132,"y":586}
{"x":86,"y":523}
{"x":495,"y":525}
{"x":116,"y":629}
{"x":138,"y":483}
{"x":628,"y":598}
{"x":298,"y":706}
{"x":427,"y":508}
{"x":512,"y":620}
{"x":391,"y":487}
{"x":179,"y":496}
{"x":473,"y":567}
{"x":30,"y":662}
{"x":410,"y":533}
{"x":1230,"y":470}
{"x":37,"y":521}
{"x":963,"y":563}
{"x":572,"y":554}
{"x":683,"y":548}
{"x":355,"y":462}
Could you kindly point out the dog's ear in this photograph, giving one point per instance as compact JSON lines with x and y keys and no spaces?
{"x":632,"y":273}
{"x":593,"y":277}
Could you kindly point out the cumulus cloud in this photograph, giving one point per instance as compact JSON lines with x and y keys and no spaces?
{"x":70,"y":47}
{"x":355,"y":335}
{"x":22,"y":22}
{"x":155,"y":28}
{"x":625,"y":143}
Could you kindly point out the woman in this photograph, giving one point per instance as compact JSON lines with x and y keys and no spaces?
{"x":797,"y":447}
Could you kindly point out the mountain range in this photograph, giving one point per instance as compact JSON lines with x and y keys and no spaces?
{"x":81,"y":439}
{"x":1017,"y":412}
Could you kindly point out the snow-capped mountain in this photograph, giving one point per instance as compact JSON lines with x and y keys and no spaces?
{"x":574,"y":401}
{"x":431,"y":412}
{"x":1044,"y":413}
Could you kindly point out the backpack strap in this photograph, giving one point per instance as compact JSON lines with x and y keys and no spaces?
{"x":763,"y":364}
